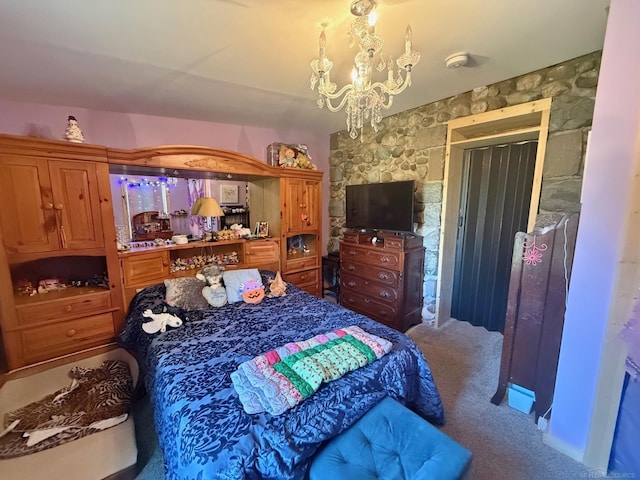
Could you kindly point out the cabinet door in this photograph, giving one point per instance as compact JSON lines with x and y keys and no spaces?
{"x":311,"y":207}
{"x":294,"y":203}
{"x":301,"y":203}
{"x":76,"y":204}
{"x":28,"y":221}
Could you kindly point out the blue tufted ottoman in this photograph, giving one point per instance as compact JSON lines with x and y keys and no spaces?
{"x":391,"y":442}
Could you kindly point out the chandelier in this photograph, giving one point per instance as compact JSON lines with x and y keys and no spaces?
{"x":364,"y":99}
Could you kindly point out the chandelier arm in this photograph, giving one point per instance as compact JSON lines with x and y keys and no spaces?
{"x":333,"y":96}
{"x":338,"y":107}
{"x":395,"y":91}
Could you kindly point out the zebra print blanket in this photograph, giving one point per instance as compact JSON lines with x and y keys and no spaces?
{"x":96,"y":399}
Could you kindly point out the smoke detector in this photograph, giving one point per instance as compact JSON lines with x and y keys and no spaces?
{"x":456,"y":60}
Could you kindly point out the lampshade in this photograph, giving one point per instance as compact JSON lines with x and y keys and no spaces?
{"x":196,"y":206}
{"x":207,"y":207}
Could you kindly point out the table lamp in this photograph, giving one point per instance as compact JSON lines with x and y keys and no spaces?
{"x":207,"y":207}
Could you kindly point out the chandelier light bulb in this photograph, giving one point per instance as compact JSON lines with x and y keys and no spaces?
{"x":373,"y":18}
{"x":407,"y":39}
{"x":364,"y":98}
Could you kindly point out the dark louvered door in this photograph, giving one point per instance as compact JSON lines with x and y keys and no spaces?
{"x":494,"y":205}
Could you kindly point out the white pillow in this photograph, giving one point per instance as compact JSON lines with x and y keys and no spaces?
{"x":233,"y":280}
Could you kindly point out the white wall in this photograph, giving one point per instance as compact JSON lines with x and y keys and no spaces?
{"x":607,"y":189}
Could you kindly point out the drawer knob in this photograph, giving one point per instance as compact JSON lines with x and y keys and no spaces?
{"x":352,"y":284}
{"x":68,"y":308}
{"x":383,"y":276}
{"x":351,"y":252}
{"x":385,"y":259}
{"x":71,"y":333}
{"x":384,"y":294}
{"x":366,"y":300}
{"x":351,"y":268}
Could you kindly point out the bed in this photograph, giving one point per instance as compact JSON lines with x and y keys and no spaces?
{"x":202,"y":428}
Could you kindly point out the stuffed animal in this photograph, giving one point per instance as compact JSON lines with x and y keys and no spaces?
{"x":213,"y":291}
{"x":252,"y":291}
{"x":277,"y":286}
{"x":159,"y":321}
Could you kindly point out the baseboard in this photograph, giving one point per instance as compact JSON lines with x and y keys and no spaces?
{"x":563,"y":447}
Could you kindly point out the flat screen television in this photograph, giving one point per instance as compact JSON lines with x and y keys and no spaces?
{"x":380,"y":206}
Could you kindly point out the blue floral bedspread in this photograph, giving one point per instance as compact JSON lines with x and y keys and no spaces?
{"x":202,"y":428}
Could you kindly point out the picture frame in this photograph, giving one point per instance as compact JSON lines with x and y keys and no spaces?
{"x":229,"y":195}
{"x":262,"y":229}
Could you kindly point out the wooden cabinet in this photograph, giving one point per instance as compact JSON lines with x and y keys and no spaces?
{"x":301,"y":232}
{"x":56,"y":222}
{"x":383,"y":280}
{"x":49,"y":205}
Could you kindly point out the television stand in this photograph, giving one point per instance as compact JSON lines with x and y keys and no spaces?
{"x":383,"y":280}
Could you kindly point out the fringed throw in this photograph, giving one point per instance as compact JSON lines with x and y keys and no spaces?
{"x":97,"y":399}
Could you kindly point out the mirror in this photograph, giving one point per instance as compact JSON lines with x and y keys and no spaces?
{"x":158,"y":207}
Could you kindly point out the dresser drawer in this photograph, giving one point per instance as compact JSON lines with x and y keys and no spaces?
{"x":301,"y":263}
{"x":369,"y":288}
{"x":299,"y":279}
{"x":145,"y":269}
{"x":378,"y":274}
{"x":49,"y":341}
{"x":375,"y":257}
{"x":371,"y":307}
{"x":63,"y":308}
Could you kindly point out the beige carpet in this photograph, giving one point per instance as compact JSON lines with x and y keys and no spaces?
{"x":90,"y":458}
{"x":506,"y":443}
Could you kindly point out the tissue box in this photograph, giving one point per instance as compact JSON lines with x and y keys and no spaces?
{"x":521,"y":398}
{"x":273,"y":154}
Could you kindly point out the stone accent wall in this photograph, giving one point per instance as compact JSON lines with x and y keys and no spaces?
{"x":411,"y":146}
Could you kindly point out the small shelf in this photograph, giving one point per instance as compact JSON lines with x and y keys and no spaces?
{"x":63,"y":294}
{"x":186,"y":246}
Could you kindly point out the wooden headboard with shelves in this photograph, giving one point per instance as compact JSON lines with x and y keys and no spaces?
{"x":40,"y":176}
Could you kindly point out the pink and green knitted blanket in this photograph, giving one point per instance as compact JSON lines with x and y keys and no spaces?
{"x":280,"y":379}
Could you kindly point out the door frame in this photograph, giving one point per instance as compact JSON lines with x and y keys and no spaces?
{"x":527,"y":121}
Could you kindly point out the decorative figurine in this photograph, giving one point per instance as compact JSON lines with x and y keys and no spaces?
{"x":73,"y":133}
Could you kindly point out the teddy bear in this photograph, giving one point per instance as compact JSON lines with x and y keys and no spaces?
{"x":213,"y":291}
{"x":159,"y":321}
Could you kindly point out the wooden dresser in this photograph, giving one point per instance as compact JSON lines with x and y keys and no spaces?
{"x":382,"y":278}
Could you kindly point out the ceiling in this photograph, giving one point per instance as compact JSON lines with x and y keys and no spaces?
{"x":247,"y":61}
